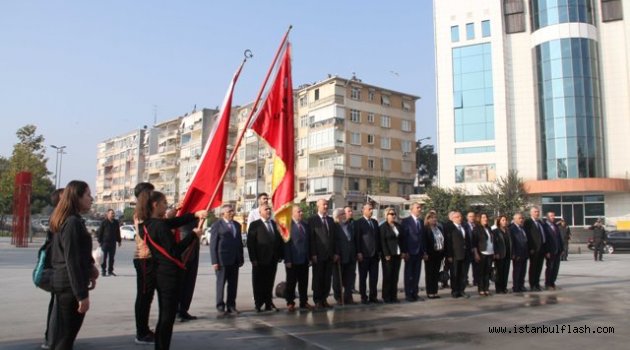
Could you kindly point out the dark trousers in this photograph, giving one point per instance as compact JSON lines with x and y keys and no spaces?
{"x":66,"y":321}
{"x":347,"y":274}
{"x":551,"y":270}
{"x":413,"y":266}
{"x":565,"y":253}
{"x":168,"y":293}
{"x":187,"y":287}
{"x":322,"y":273}
{"x":263,"y":278}
{"x":598,"y":252}
{"x":109,"y":251}
{"x":485,"y":267}
{"x":476,"y":272}
{"x":145,"y":289}
{"x":227,"y":274}
{"x":535,"y":268}
{"x":51,"y":304}
{"x":519,"y":266}
{"x":369,"y":266}
{"x":458,"y":279}
{"x":297,"y":275}
{"x":503,"y":272}
{"x":432,"y":273}
{"x":391,"y":270}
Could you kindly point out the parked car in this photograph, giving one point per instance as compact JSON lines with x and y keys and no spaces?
{"x":616,"y":240}
{"x":128,"y":232}
{"x":92,"y":226}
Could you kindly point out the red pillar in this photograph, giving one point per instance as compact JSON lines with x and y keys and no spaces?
{"x":21,"y":209}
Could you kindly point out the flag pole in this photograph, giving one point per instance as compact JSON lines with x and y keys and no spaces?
{"x":251,"y":114}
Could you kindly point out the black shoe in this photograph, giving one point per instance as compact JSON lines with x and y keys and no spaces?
{"x":271,"y":307}
{"x":364,"y":301}
{"x":411,"y":299}
{"x":419,"y":298}
{"x":463,"y":294}
{"x":220,"y":309}
{"x":186,"y":317}
{"x":258,"y":309}
{"x":375,"y":301}
{"x":146,"y":340}
{"x":112,"y":274}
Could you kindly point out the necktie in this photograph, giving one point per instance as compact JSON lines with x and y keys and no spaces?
{"x":462,"y":231}
{"x":301,"y":229}
{"x":325,"y":222}
{"x":542,"y":231}
{"x":232,"y":229}
{"x":418,"y":225}
{"x":269,"y":227}
{"x":371,"y":225}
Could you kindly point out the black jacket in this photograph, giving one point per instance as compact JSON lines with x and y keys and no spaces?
{"x":367,"y":237}
{"x":72,"y":258}
{"x":535,"y":236}
{"x":502,"y":243}
{"x":390,"y":243}
{"x":161,"y":233}
{"x":323,"y":243}
{"x":263,"y":247}
{"x":346,"y":247}
{"x":457,"y":244}
{"x":108,"y":233}
{"x":480,"y":238}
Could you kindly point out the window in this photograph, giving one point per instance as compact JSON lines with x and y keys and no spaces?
{"x":370,"y":118}
{"x":316,"y":94}
{"x":406,"y":167}
{"x":406,"y":106}
{"x":514,"y":14}
{"x":370,"y":139}
{"x":406,"y":125}
{"x":370,"y":163}
{"x":469,"y":150}
{"x":355,"y":116}
{"x":576,"y":210}
{"x":355,"y":161}
{"x":611,"y":10}
{"x":355,"y":93}
{"x":454,"y":34}
{"x":371,"y":95}
{"x":353,"y":184}
{"x":405,"y":146}
{"x":475,"y":173}
{"x":470,"y":31}
{"x":386,"y":143}
{"x":303,"y":101}
{"x":485,"y":29}
{"x":385,"y":100}
{"x":387,"y":164}
{"x":304,"y":121}
{"x":355,"y":138}
{"x":386,"y":121}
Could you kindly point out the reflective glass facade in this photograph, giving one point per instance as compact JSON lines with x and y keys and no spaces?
{"x":473,"y":104}
{"x":569,"y":106}
{"x":550,"y":12}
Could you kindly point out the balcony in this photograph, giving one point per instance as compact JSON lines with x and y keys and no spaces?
{"x":167,"y":149}
{"x":321,"y":124}
{"x":325,"y":171}
{"x":338,"y":99}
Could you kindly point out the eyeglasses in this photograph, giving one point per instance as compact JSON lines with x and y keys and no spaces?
{"x":394,"y":214}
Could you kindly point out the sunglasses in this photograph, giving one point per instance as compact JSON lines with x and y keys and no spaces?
{"x":394,"y":214}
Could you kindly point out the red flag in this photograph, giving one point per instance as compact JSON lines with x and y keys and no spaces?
{"x":212,"y":164}
{"x":274,"y":123}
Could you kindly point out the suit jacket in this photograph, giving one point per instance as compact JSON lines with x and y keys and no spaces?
{"x":226,"y":249}
{"x":367,"y":237}
{"x":480,"y":238}
{"x":264,"y":247}
{"x":553,"y":238}
{"x":469,"y":236}
{"x":346,"y":246}
{"x":414,"y":238}
{"x":535,"y":236}
{"x":323,"y":240}
{"x":502,"y":243}
{"x":390,"y":243}
{"x":430,"y":241}
{"x":456,"y":243}
{"x":518,"y":238}
{"x":296,"y":250}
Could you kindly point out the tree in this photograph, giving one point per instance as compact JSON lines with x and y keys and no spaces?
{"x":444,"y":200}
{"x":28,"y":155}
{"x":426,"y":161}
{"x":505,"y":196}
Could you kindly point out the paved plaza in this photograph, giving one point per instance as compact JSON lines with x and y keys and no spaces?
{"x":593,"y":297}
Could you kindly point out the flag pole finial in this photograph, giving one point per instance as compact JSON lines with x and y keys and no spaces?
{"x":248,"y":54}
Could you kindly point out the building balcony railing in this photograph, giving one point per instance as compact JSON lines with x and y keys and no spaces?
{"x":327,"y":100}
{"x":325,"y":171}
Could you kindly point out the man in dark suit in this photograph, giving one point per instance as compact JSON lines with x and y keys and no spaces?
{"x":344,"y":272}
{"x":265,"y":246}
{"x":413,"y":236}
{"x":226,"y":254}
{"x":108,"y":235}
{"x":554,"y":251}
{"x":323,"y":253}
{"x":456,"y":245}
{"x":520,"y":253}
{"x":296,"y":260}
{"x":536,"y":242}
{"x":366,"y":234}
{"x":471,"y":264}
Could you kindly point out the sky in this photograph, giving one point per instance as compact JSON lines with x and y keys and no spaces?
{"x":86,"y":71}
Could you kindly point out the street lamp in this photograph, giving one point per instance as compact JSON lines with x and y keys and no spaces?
{"x":60,"y":154}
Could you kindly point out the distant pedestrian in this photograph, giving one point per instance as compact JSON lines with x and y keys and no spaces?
{"x":565,"y":232}
{"x":107,"y":235}
{"x":599,"y":239}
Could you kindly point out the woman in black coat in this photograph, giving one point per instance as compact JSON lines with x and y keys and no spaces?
{"x":74,"y":271}
{"x":167,"y":253}
{"x":483,"y":248}
{"x":391,"y":244}
{"x":434,"y":254}
{"x":503,"y":253}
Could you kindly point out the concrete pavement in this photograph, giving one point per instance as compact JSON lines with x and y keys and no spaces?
{"x":592,"y":295}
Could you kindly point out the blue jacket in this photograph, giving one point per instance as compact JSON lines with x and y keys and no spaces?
{"x":519,"y":242}
{"x":226,"y":249}
{"x":414,"y":238}
{"x":297,"y":248}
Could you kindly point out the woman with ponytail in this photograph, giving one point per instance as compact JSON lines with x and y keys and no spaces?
{"x":166,"y":250}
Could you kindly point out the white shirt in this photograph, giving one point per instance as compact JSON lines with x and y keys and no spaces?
{"x":396,"y":233}
{"x":489,"y":246}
